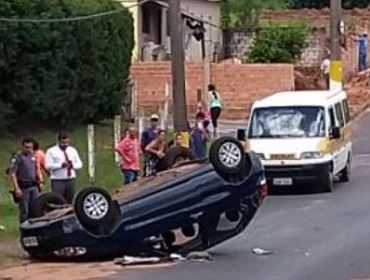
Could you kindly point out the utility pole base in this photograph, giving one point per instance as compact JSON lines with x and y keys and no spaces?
{"x":336,"y":75}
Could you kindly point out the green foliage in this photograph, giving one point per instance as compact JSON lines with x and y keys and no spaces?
{"x":279,"y":44}
{"x":318,"y":4}
{"x":6,"y":115}
{"x":68,"y":72}
{"x":244,"y":14}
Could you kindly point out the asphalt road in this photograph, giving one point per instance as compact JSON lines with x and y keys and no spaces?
{"x":313,"y":237}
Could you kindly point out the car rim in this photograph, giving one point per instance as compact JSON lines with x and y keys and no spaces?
{"x":230,"y":154}
{"x":96,"y":206}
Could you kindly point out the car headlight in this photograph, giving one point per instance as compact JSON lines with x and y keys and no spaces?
{"x":312,"y":155}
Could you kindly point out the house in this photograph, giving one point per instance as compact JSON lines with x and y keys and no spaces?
{"x":152,"y":27}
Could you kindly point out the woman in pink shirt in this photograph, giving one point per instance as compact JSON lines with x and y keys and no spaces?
{"x":129,"y":150}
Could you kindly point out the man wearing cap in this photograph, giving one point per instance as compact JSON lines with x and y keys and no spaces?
{"x":148,"y":135}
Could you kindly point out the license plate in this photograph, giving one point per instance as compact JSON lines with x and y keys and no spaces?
{"x":30,"y":241}
{"x":282,"y":181}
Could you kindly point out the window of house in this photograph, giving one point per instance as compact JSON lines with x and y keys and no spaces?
{"x":339,"y":114}
{"x":146,"y":19}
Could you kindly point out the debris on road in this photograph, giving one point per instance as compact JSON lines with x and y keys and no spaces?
{"x":260,"y":252}
{"x":199,"y":256}
{"x":177,"y":257}
{"x":128,"y":260}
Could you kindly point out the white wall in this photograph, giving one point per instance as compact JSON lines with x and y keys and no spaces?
{"x":210,"y":12}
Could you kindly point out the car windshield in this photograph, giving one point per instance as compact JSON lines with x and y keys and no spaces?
{"x":287,"y":122}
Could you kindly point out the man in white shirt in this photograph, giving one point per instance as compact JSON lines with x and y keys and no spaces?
{"x":62,"y":161}
{"x":325,"y":71}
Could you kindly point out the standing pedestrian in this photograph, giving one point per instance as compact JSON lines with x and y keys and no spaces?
{"x":157,"y":151}
{"x":62,"y":161}
{"x":25,"y":178}
{"x":215,"y":105}
{"x":362,"y":51}
{"x":40,"y":158}
{"x":129,"y":150}
{"x":148,"y":135}
{"x":199,"y":137}
{"x":325,"y":71}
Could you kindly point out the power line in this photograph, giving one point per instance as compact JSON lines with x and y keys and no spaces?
{"x":97,"y":15}
{"x":78,"y":18}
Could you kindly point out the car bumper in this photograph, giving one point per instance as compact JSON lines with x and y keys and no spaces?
{"x":279,"y":176}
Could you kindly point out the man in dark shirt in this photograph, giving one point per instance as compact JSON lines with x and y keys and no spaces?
{"x":148,"y":135}
{"x":25,"y":177}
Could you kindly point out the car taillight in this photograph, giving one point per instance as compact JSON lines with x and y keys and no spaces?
{"x":263,"y":188}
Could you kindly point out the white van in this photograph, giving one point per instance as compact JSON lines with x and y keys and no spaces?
{"x":302,"y":137}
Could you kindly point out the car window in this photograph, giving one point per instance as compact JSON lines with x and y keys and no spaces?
{"x":331,"y":117}
{"x":347,"y":114}
{"x":339,"y":114}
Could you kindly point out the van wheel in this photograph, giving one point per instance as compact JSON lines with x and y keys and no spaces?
{"x":328,"y":183}
{"x":345,"y":174}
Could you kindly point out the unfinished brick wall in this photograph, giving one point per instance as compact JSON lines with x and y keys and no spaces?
{"x":239,"y":84}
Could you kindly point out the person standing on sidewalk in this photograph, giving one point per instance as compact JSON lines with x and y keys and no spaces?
{"x":325,"y":71}
{"x":215,"y":105}
{"x":25,"y":178}
{"x":129,"y":150}
{"x":62,"y":161}
{"x":148,"y":135}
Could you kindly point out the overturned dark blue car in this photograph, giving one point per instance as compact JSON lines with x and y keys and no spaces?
{"x":194,"y":205}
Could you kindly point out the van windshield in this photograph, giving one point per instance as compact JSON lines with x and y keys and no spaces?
{"x":287,"y":122}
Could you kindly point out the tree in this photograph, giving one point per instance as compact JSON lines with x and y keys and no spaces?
{"x":244,"y":14}
{"x":65,"y":72}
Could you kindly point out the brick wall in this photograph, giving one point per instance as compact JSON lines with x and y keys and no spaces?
{"x":239,"y":84}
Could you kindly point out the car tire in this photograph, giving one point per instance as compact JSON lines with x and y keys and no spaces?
{"x":95,"y":208}
{"x":228,"y":157}
{"x":345,"y":174}
{"x":173,"y":156}
{"x":328,"y":183}
{"x":41,"y":206}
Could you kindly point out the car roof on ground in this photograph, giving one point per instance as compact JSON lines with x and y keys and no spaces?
{"x":300,"y":98}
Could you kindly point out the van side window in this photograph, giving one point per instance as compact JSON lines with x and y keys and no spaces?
{"x":332,"y":118}
{"x":339,"y":114}
{"x":347,"y":114}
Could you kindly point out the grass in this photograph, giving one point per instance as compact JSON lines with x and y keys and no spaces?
{"x":108,"y":174}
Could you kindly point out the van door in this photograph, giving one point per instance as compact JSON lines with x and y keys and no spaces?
{"x":340,"y":153}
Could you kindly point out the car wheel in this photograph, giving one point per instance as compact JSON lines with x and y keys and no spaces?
{"x":228,"y":157}
{"x":94,"y":207}
{"x":328,"y":183}
{"x":43,"y":204}
{"x":345,"y":174}
{"x":174,"y":156}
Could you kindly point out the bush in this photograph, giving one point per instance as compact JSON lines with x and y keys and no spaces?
{"x":278,"y":44}
{"x":65,"y":72}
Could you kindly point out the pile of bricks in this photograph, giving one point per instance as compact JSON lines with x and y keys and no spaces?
{"x":358,"y":90}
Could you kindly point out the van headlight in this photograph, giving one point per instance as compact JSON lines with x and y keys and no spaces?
{"x":312,"y":155}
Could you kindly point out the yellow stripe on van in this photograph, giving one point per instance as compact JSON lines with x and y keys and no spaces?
{"x":327,"y":145}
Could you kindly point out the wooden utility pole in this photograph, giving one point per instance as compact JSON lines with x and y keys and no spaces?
{"x":178,"y":70}
{"x":336,"y":28}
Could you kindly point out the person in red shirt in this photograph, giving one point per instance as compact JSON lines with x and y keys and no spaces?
{"x":129,"y":150}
